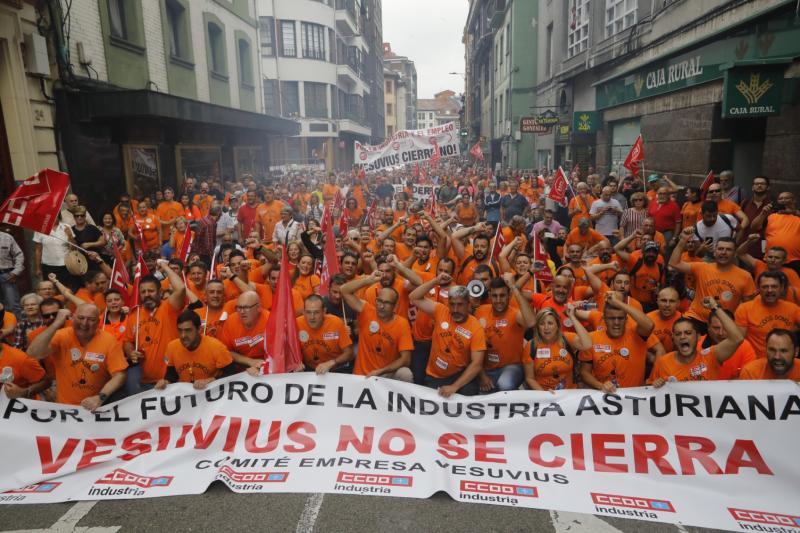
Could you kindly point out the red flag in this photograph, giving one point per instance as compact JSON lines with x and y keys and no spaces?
{"x":373,"y":207}
{"x":330,"y":262}
{"x":119,"y":275}
{"x":139,"y":270}
{"x":282,"y":345}
{"x":539,"y":254}
{"x":338,"y":201}
{"x":416,"y":169}
{"x":325,"y":221}
{"x":499,"y":243}
{"x":35,"y":204}
{"x":476,"y":151}
{"x":558,"y":190}
{"x":186,"y":245}
{"x":344,"y":223}
{"x":436,"y":155}
{"x":706,"y":184}
{"x":634,"y":156}
{"x":423,"y":176}
{"x":362,"y":174}
{"x":434,"y":204}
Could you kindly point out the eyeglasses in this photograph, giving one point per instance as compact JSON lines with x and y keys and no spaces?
{"x":241,"y":308}
{"x":714,"y":190}
{"x":638,"y":199}
{"x":49,"y":315}
{"x":80,"y":216}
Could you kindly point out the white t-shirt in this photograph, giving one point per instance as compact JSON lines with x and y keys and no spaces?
{"x":606,"y":224}
{"x":53,"y":249}
{"x":720,"y":229}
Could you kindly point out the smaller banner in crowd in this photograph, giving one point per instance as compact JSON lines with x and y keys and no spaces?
{"x":711,"y":454}
{"x":409,"y":146}
{"x":424,"y":192}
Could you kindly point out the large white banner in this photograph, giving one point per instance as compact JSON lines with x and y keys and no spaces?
{"x":712,"y":454}
{"x":408,"y":146}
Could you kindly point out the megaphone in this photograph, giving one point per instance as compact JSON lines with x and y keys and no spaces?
{"x":476,"y":288}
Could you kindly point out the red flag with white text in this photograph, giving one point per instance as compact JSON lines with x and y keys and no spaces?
{"x":436,"y":155}
{"x":558,"y":190}
{"x":139,"y":270}
{"x":706,"y":184}
{"x":499,"y":243}
{"x":282,"y":352}
{"x":635,"y":156}
{"x":119,"y":275}
{"x":186,"y":245}
{"x":36,"y":202}
{"x":371,"y":212}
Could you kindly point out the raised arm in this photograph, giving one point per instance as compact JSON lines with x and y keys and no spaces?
{"x":675,"y":259}
{"x":526,"y":317}
{"x":644,"y":326}
{"x":741,"y":251}
{"x":725,"y":349}
{"x":350,"y":289}
{"x":417,"y":296}
{"x":40,"y":347}
{"x":621,"y":248}
{"x":176,"y":299}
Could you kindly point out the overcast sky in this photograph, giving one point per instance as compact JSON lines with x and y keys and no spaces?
{"x":429,"y":33}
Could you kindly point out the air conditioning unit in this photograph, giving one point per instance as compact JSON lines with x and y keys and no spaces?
{"x":37,"y":62}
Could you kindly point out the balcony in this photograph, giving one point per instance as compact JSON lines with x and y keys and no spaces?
{"x":347,"y":75}
{"x":346,"y":17}
{"x":352,"y":124}
{"x":498,"y":13}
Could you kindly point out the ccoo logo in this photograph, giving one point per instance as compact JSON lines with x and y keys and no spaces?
{"x":498,"y":488}
{"x":375,"y":479}
{"x":634,"y":502}
{"x":762,"y":517}
{"x":43,"y":487}
{"x":123,"y":477}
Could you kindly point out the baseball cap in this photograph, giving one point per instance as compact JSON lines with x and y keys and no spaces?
{"x":652,"y":177}
{"x":652,"y":247}
{"x":583,"y":222}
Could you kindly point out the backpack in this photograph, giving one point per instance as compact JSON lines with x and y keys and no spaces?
{"x":727,"y":222}
{"x":638,"y":265}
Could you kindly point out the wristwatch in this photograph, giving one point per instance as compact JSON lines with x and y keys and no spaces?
{"x":103,"y":397}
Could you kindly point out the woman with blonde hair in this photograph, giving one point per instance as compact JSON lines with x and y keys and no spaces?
{"x":633,"y":217}
{"x":548,"y":359}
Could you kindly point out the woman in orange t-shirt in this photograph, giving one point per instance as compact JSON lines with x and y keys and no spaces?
{"x":547,"y":359}
{"x":303,"y":278}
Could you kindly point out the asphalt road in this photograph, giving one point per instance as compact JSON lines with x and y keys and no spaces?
{"x":222,"y":510}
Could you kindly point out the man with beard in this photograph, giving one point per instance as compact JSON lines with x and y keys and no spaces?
{"x":722,"y":280}
{"x":335,"y":304}
{"x":458,"y":344}
{"x":213,"y":315}
{"x":573,"y":254}
{"x":665,"y":316}
{"x":389,"y":267}
{"x":88,"y":362}
{"x":557,"y":300}
{"x":195,"y":358}
{"x":767,"y":311}
{"x":618,"y":357}
{"x":505,"y":329}
{"x":150,"y":328}
{"x":687,"y":362}
{"x":480,"y":251}
{"x":384,"y":338}
{"x":243,"y":332}
{"x":774,"y":260}
{"x":324,"y":340}
{"x":647,"y":270}
{"x":781,"y":361}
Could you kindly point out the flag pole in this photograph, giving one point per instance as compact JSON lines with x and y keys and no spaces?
{"x":138,"y":308}
{"x":84,"y":250}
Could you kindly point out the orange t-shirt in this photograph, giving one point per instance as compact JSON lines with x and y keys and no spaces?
{"x":116,"y":328}
{"x":690,"y":214}
{"x":306,"y":285}
{"x":155,"y":332}
{"x":588,"y":240}
{"x":150,"y":225}
{"x":98,"y":299}
{"x":452,"y":344}
{"x":422,"y":327}
{"x":584,"y":204}
{"x":728,"y":287}
{"x":81,"y":371}
{"x":323,"y":344}
{"x":467,"y":215}
{"x":203,"y":203}
{"x":663,"y":329}
{"x":782,"y":230}
{"x":169,"y":210}
{"x":329,"y":191}
{"x":733,"y":365}
{"x":268,"y":215}
{"x":553,"y":366}
{"x":250,"y":342}
{"x":232,"y":292}
{"x":504,"y":337}
{"x":647,"y":279}
{"x":794,"y":280}
{"x":724,"y":207}
{"x":203,"y":362}
{"x":760,"y":369}
{"x":759,"y":319}
{"x":379,"y":342}
{"x":619,"y":360}
{"x":401,"y":286}
{"x":212,"y":320}
{"x":25,"y":370}
{"x":704,"y":366}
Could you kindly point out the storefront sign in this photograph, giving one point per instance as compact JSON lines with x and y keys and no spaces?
{"x":548,"y":118}
{"x":586,"y":121}
{"x":531,"y":125}
{"x":562,"y":133}
{"x":702,"y":64}
{"x":752,"y":92}
{"x":708,"y":454}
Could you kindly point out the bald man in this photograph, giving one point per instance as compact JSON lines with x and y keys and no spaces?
{"x":89,"y":363}
{"x":244,"y":331}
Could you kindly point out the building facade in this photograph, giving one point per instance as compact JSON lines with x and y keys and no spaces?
{"x":318,"y":68}
{"x":391,"y":94}
{"x":709,"y":85}
{"x":406,"y":104}
{"x":443,"y":108}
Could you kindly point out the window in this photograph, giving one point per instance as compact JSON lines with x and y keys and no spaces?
{"x":271,"y":106}
{"x":388,"y":87}
{"x":508,"y":38}
{"x":548,"y":54}
{"x":118,"y":21}
{"x":245,"y":63}
{"x":332,"y":45}
{"x":316,"y":99}
{"x":313,"y":41}
{"x":578,"y":32}
{"x":620,"y":14}
{"x":290,"y":99}
{"x":288,"y":43}
{"x":266,"y":35}
{"x":390,"y":130}
{"x":216,"y":41}
{"x":389,"y":109}
{"x":176,"y":20}
{"x":500,"y":51}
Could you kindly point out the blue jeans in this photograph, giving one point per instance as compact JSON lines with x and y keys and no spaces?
{"x":419,"y":360}
{"x":10,"y":293}
{"x":508,"y":377}
{"x":133,"y":381}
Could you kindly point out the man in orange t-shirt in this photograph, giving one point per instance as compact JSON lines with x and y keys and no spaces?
{"x":403,"y":284}
{"x":586,"y":237}
{"x":781,"y":226}
{"x":150,"y":328}
{"x":458,"y":346}
{"x":722,"y":280}
{"x":580,"y":205}
{"x":505,"y":332}
{"x":88,"y":362}
{"x":268,"y":213}
{"x":213,"y":314}
{"x":244,"y":332}
{"x":688,"y":362}
{"x":22,"y":376}
{"x":150,"y":226}
{"x":617,"y":357}
{"x":193,"y":357}
{"x":745,"y":353}
{"x":774,"y":261}
{"x":766,"y":312}
{"x":168,"y":210}
{"x":384,"y":338}
{"x":665,"y":316}
{"x":324,"y":339}
{"x":781,"y":361}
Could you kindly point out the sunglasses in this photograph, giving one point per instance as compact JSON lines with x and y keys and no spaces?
{"x":49,"y":315}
